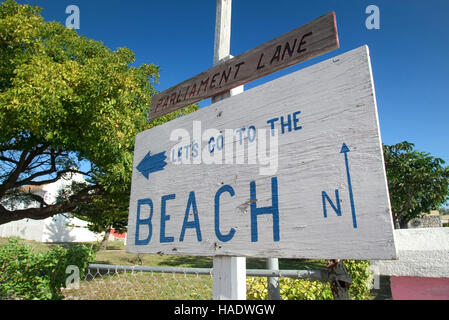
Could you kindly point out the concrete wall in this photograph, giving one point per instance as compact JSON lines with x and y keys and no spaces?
{"x":425,"y":222}
{"x":56,"y":229}
{"x":422,"y":252}
{"x":25,"y":229}
{"x":422,"y":268}
{"x":63,"y":229}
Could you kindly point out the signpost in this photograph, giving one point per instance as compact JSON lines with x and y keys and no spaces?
{"x":318,"y":37}
{"x":319,"y":192}
{"x":229,"y":273}
{"x":292,"y":169}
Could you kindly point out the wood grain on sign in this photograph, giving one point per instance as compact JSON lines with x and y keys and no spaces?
{"x":315,"y":38}
{"x":328,"y":197}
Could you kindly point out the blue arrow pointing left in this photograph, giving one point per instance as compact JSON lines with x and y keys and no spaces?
{"x":151,"y":164}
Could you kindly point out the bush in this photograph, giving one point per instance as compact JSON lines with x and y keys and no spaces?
{"x":362,"y":279}
{"x":25,"y":274}
{"x":291,"y":289}
{"x":304,"y":289}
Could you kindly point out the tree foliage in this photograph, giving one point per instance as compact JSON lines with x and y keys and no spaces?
{"x":68,"y":105}
{"x":417,"y":181}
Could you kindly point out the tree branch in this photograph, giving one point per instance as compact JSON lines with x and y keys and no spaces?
{"x":45,"y":212}
{"x":43,"y":182}
{"x":6,"y":159}
{"x":24,"y":161}
{"x":38,"y":199}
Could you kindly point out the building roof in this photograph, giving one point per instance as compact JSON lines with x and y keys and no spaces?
{"x":32,"y":188}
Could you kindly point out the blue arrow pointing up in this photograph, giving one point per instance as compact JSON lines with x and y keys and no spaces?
{"x":151,"y":164}
{"x":345,"y":150}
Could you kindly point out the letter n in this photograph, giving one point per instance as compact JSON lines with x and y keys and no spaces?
{"x":325,"y":198}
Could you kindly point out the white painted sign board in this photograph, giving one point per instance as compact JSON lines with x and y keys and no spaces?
{"x":325,"y":197}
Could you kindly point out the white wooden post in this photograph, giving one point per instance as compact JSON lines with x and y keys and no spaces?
{"x":229,"y":273}
{"x":229,"y":278}
{"x":222,"y":42}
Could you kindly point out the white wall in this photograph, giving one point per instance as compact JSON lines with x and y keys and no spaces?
{"x":25,"y":229}
{"x":63,"y":229}
{"x":54,"y":229}
{"x":421,"y":253}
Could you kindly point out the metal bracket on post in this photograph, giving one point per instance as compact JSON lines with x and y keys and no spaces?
{"x":339,"y":279}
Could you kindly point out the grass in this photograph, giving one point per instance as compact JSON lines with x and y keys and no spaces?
{"x":143,"y":286}
{"x":153,"y":286}
{"x":115,"y":254}
{"x":120,"y":257}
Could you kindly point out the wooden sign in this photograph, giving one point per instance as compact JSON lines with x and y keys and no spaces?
{"x":290,"y":169}
{"x":318,"y":37}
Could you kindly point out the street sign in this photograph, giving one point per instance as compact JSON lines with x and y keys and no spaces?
{"x":315,"y":38}
{"x":291,"y":169}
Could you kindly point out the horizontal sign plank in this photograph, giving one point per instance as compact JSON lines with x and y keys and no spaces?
{"x":290,"y":169}
{"x":318,"y":37}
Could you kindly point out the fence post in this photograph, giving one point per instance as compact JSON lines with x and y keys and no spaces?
{"x":229,"y":273}
{"x":274,"y":290}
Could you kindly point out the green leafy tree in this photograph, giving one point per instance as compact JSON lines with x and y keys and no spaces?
{"x":68,"y":105}
{"x":417,"y":181}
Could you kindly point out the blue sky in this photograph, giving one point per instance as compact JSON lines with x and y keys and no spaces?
{"x":409,"y":52}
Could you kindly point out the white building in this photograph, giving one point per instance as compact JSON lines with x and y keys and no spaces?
{"x":59,"y":228}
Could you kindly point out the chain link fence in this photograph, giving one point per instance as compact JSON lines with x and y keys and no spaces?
{"x":113,"y":282}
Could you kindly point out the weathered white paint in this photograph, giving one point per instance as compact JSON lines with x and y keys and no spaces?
{"x":222,"y":43}
{"x":337,"y":103}
{"x":229,"y":274}
{"x":421,"y":253}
